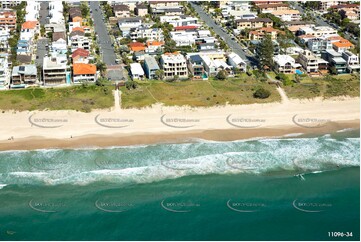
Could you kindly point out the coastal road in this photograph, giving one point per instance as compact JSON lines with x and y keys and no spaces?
{"x":103,"y":38}
{"x":225,"y":36}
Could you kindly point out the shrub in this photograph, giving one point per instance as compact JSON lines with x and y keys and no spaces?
{"x":261,"y":93}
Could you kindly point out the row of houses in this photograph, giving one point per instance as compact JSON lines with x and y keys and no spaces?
{"x":199,"y":65}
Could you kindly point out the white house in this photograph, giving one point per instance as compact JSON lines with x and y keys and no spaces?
{"x":137,"y":71}
{"x":285,"y":64}
{"x":237,"y":62}
{"x":4,"y":72}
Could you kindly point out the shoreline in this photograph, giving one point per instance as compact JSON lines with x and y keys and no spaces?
{"x":103,"y":141}
{"x":105,"y":128}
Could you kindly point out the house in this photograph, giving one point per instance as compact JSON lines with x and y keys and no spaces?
{"x":342,"y":45}
{"x":55,"y":69}
{"x":287,"y":15}
{"x":80,"y":56}
{"x":335,"y":60}
{"x":136,"y":71}
{"x":56,"y":14}
{"x":29,"y":29}
{"x":212,"y":67}
{"x":84,"y":73}
{"x":23,"y":76}
{"x":168,"y":11}
{"x":325,"y":5}
{"x":24,"y":47}
{"x":139,"y":56}
{"x":237,"y":62}
{"x":7,"y":19}
{"x":141,"y":10}
{"x":318,"y":45}
{"x":177,"y":21}
{"x":146,"y":32}
{"x":126,"y":24}
{"x":77,"y":39}
{"x":4,"y":72}
{"x":154,"y":47}
{"x":206,"y":46}
{"x":183,"y":38}
{"x":318,"y":31}
{"x":75,"y":15}
{"x":150,"y":67}
{"x":59,"y":43}
{"x":285,"y":64}
{"x":258,"y":34}
{"x":136,"y":46}
{"x":187,"y":28}
{"x":253,"y":23}
{"x":269,"y":8}
{"x":32,"y":11}
{"x":352,"y":61}
{"x":121,"y":11}
{"x":174,"y":64}
{"x":311,"y":63}
{"x":158,"y":4}
{"x":196,"y":67}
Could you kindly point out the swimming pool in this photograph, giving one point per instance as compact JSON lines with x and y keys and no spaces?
{"x":298,"y":72}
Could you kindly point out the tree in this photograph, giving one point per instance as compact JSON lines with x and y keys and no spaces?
{"x":266,"y":53}
{"x":333,"y":70}
{"x":222,"y":75}
{"x":84,"y":9}
{"x":261,"y":93}
{"x":101,"y":67}
{"x":284,"y":43}
{"x":170,"y":46}
{"x":159,"y":74}
{"x":175,"y":78}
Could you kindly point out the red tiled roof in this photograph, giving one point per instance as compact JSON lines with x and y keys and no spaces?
{"x":83,"y":69}
{"x":80,"y":52}
{"x":185,"y":27}
{"x":29,"y":25}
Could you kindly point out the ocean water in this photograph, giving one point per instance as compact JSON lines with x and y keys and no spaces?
{"x":285,"y":188}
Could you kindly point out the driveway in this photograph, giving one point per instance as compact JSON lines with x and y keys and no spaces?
{"x":41,"y":51}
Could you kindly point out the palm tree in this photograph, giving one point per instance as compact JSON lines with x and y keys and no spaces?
{"x":101,"y":67}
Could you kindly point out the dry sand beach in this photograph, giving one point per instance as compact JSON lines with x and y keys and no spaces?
{"x":101,"y":128}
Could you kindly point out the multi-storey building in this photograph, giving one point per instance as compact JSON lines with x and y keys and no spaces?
{"x":7,"y":19}
{"x":352,"y":61}
{"x":23,"y":76}
{"x":146,"y":32}
{"x":174,"y":64}
{"x":4,"y":72}
{"x":54,"y":70}
{"x":311,"y":63}
{"x":253,"y":23}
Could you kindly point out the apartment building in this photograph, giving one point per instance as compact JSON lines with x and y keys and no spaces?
{"x":145,"y":32}
{"x":352,"y":61}
{"x":84,"y":73}
{"x":4,"y":72}
{"x":174,"y":64}
{"x":184,"y":38}
{"x":121,"y":11}
{"x":150,"y":67}
{"x":32,"y":11}
{"x":158,"y":4}
{"x":325,"y":5}
{"x":23,"y":76}
{"x":55,"y":70}
{"x":312,"y":63}
{"x":269,"y":8}
{"x":9,"y":4}
{"x":126,"y":24}
{"x":4,"y":37}
{"x":253,"y":23}
{"x":288,"y":15}
{"x":7,"y":19}
{"x":285,"y":64}
{"x":258,"y":34}
{"x":177,"y":21}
